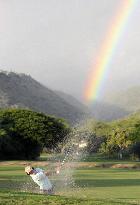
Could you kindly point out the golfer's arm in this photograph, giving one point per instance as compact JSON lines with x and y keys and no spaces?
{"x":48,"y":173}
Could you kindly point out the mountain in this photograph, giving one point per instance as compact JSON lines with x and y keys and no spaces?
{"x":97,"y":110}
{"x":20,"y":90}
{"x":128,"y":99}
{"x":106,"y":111}
{"x":73,"y":101}
{"x":117,"y":105}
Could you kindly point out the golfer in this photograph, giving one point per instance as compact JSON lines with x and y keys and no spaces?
{"x":41,"y":179}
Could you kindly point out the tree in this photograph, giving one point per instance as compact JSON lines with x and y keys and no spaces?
{"x":119,"y":136}
{"x":94,"y":143}
{"x":117,"y":142}
{"x":24,"y":133}
{"x":135,"y":149}
{"x":122,"y":140}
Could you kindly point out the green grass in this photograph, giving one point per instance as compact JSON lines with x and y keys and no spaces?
{"x":92,"y":186}
{"x":101,"y":159}
{"x":97,"y":158}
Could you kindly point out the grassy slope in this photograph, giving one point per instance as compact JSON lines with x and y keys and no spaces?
{"x":93,"y":186}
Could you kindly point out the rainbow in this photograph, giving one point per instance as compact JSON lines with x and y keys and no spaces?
{"x":104,"y":58}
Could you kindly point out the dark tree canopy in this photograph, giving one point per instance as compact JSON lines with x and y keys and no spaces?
{"x":24,"y":133}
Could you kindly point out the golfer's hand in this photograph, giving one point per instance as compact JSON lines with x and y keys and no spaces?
{"x":48,"y":173}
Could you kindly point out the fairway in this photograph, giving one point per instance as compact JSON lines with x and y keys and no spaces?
{"x":91,"y":186}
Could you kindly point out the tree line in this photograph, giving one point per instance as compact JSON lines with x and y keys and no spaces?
{"x":120,"y":138}
{"x":24,"y":134}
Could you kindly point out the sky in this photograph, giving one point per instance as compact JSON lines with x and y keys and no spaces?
{"x":56,"y":41}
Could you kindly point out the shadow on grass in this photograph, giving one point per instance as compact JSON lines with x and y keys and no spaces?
{"x":9,"y":184}
{"x":107,"y":182}
{"x":116,"y":202}
{"x":12,"y":198}
{"x":18,"y":185}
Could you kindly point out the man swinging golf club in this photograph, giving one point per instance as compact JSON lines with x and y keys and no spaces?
{"x":41,"y":178}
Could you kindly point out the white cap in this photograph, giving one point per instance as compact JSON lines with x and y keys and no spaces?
{"x":28,"y":169}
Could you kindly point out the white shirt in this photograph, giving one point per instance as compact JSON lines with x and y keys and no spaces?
{"x":40,"y":178}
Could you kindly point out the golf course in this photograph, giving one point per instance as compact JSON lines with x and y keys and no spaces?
{"x":70,"y":102}
{"x":106,"y":183}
